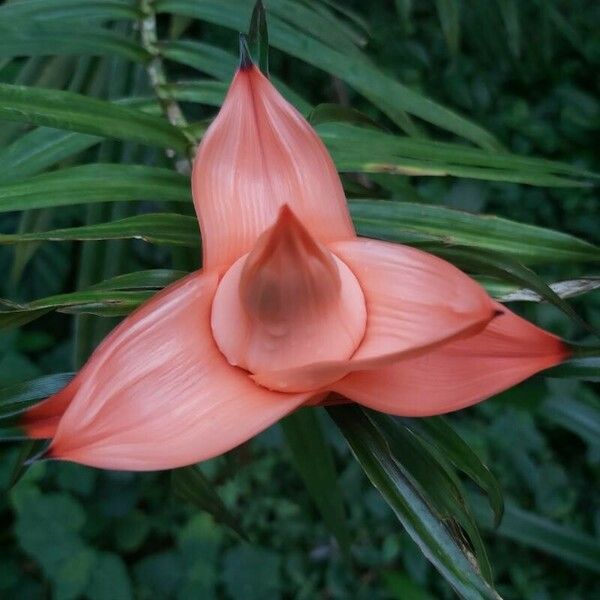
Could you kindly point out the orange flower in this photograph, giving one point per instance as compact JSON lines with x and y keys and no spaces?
{"x":290,"y":305}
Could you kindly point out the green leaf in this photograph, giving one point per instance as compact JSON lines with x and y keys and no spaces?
{"x":307,"y":36}
{"x":392,"y":220}
{"x":313,"y":459}
{"x":27,"y":451}
{"x":526,"y":528}
{"x":43,"y":40}
{"x":19,"y":397}
{"x":220,"y":64}
{"x":138,"y":280}
{"x":211,"y":93}
{"x":67,"y":110}
{"x":586,"y":369}
{"x":155,"y":228}
{"x":206,"y":58}
{"x":106,"y":303}
{"x":506,"y":268}
{"x":442,"y":435}
{"x":570,"y":288}
{"x":191,"y":485}
{"x":94,"y":183}
{"x":390,"y":478}
{"x":258,"y":37}
{"x":436,"y":480}
{"x":39,"y":149}
{"x":68,"y":10}
{"x":328,"y":113}
{"x":372,"y":151}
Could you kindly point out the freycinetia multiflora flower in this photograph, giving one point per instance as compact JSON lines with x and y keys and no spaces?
{"x":289,"y":306}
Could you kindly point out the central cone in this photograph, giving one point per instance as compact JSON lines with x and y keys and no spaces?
{"x":288,"y":303}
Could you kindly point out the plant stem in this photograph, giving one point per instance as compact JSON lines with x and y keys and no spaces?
{"x":156,"y":73}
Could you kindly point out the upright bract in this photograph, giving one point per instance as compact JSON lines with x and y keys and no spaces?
{"x":289,"y":306}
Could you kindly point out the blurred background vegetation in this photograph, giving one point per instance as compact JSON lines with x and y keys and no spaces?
{"x":526,"y":72}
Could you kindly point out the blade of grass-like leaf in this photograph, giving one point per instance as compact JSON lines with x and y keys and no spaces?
{"x":138,"y":280}
{"x":207,"y":92}
{"x":360,"y":38}
{"x":530,"y":244}
{"x":106,"y":303}
{"x":27,"y":451}
{"x":533,"y":531}
{"x":388,"y":476}
{"x":206,"y":58}
{"x":156,"y":228}
{"x":565,"y":289}
{"x":327,"y":113}
{"x":361,"y":149}
{"x":31,"y":220}
{"x":506,"y":268}
{"x":43,"y":40}
{"x":18,"y":397}
{"x":434,"y":476}
{"x":344,"y":60}
{"x":67,"y":10}
{"x":321,"y":24}
{"x":191,"y":485}
{"x":258,"y":37}
{"x":29,"y":73}
{"x":586,"y":369}
{"x":442,"y":435}
{"x":220,"y":64}
{"x":92,"y":183}
{"x":75,"y":112}
{"x":39,"y":149}
{"x":312,"y":458}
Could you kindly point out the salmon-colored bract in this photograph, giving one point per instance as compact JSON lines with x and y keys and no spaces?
{"x":289,"y":306}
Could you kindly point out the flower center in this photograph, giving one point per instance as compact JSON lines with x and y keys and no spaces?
{"x":288,"y":303}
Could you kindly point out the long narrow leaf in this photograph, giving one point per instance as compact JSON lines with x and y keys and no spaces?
{"x":67,"y":10}
{"x":372,"y":151}
{"x":312,"y":457}
{"x":39,"y":149}
{"x":94,"y":183}
{"x":20,"y":396}
{"x":506,"y":268}
{"x":343,"y":61}
{"x":443,"y":436}
{"x":156,"y":228}
{"x":39,"y":40}
{"x":75,"y":112}
{"x":388,"y":476}
{"x":527,"y":243}
{"x":533,"y":531}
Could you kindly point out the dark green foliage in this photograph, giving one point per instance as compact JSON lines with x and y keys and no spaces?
{"x":440,"y":114}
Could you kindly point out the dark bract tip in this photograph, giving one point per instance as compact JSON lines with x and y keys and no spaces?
{"x":245,"y":57}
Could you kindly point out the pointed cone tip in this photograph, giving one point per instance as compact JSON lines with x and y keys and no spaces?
{"x":246,"y":61}
{"x":287,"y":222}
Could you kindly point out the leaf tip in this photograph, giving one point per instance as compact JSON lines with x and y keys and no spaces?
{"x":246,"y":61}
